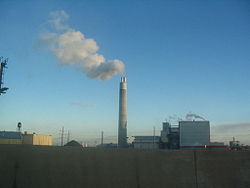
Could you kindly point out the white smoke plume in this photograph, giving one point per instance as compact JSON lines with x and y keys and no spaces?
{"x":190,"y":116}
{"x":71,"y":47}
{"x":173,"y":119}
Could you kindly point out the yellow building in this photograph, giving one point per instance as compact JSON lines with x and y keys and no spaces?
{"x":37,"y":139}
{"x":10,"y":137}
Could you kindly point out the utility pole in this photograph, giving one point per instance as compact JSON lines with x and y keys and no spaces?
{"x":154,"y":136}
{"x":102,"y":139}
{"x":68,"y":137}
{"x":62,"y":136}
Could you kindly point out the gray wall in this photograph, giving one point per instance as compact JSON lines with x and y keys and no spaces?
{"x":194,"y":133}
{"x":65,"y":167}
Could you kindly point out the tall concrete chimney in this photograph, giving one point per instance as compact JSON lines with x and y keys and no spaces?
{"x":122,"y":132}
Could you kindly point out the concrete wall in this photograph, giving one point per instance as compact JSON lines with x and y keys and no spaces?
{"x":24,"y":166}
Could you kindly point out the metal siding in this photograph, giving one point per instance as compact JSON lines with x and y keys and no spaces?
{"x":39,"y":139}
{"x":10,"y":141}
{"x":10,"y":135}
{"x":194,"y":133}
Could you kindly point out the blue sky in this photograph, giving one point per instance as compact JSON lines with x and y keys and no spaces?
{"x":179,"y":56}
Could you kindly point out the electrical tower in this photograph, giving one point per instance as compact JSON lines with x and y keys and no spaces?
{"x":62,"y":136}
{"x":102,"y":139}
{"x":68,"y":137}
{"x":2,"y":66}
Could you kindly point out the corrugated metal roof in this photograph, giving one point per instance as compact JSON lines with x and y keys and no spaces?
{"x":10,"y":135}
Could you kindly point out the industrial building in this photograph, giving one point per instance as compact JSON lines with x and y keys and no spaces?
{"x":188,"y":135}
{"x":234,"y":143}
{"x":169,"y":136}
{"x":194,"y":134}
{"x":185,"y":135}
{"x":16,"y":137}
{"x":10,"y":137}
{"x":37,"y":139}
{"x":146,"y":142}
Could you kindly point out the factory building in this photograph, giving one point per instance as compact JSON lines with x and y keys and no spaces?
{"x":146,"y":142}
{"x":185,"y":135}
{"x":169,"y":136}
{"x":37,"y":139}
{"x":188,"y":135}
{"x":194,"y":134}
{"x":10,"y":137}
{"x":16,"y":137}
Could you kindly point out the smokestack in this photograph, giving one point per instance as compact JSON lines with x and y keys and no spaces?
{"x":122,"y":132}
